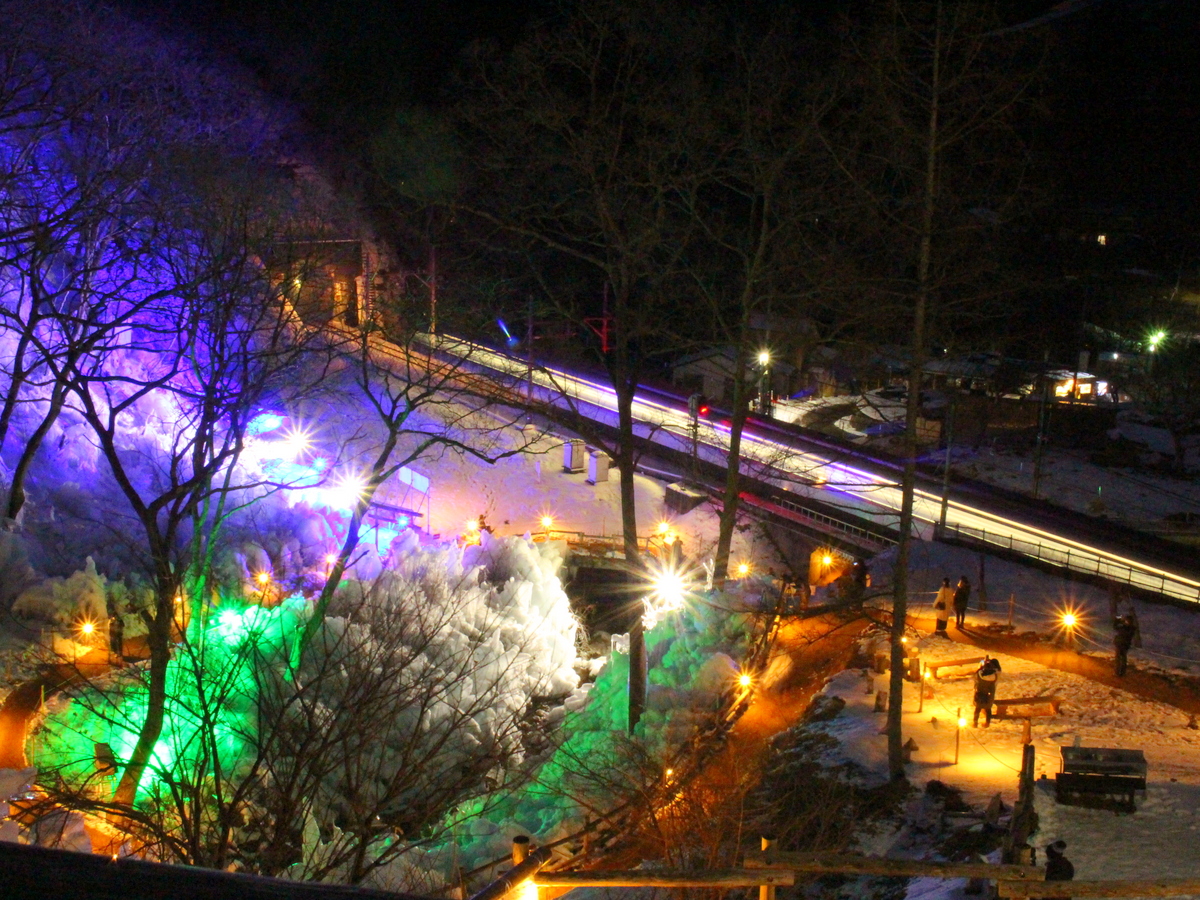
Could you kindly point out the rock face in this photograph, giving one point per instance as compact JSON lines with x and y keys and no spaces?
{"x":65,"y":601}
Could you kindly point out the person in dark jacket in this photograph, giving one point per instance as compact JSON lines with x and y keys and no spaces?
{"x":986,"y":678}
{"x":1058,"y":867}
{"x":962,"y":596}
{"x":1123,"y":632}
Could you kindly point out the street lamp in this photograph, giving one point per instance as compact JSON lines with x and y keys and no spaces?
{"x":547,"y":524}
{"x":743,"y":570}
{"x":745,"y":680}
{"x":764,"y":382}
{"x":667,"y":589}
{"x":1069,"y":623}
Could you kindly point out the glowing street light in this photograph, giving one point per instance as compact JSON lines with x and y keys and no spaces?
{"x":962,"y":723}
{"x":472,"y":525}
{"x":263,"y":578}
{"x":330,"y":559}
{"x":827,"y":560}
{"x":547,"y":522}
{"x":86,"y":628}
{"x":1156,"y":339}
{"x":743,"y":570}
{"x":744,"y":680}
{"x":764,"y":382}
{"x":664,"y":528}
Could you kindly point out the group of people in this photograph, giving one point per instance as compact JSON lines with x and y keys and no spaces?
{"x":951,"y":597}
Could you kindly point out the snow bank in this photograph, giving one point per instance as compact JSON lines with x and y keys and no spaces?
{"x":66,"y":601}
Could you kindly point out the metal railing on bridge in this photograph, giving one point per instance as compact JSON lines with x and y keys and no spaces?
{"x":1082,"y":561}
{"x":857,"y":531}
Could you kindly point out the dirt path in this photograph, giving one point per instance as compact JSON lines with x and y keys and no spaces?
{"x":1180,"y":691}
{"x":22,"y":704}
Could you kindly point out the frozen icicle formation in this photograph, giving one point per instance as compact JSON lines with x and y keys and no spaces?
{"x":452,"y":656}
{"x":63,"y":601}
{"x":507,"y":600}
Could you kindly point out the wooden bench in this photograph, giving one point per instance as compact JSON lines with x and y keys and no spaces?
{"x":933,"y":667}
{"x":1103,"y":761}
{"x":1119,"y":788}
{"x":1042,"y":705}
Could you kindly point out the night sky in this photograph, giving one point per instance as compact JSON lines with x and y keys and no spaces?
{"x":1123,"y":86}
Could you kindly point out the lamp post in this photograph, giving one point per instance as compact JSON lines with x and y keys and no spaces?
{"x":764,"y":382}
{"x":666,"y":594}
{"x":1069,"y":622}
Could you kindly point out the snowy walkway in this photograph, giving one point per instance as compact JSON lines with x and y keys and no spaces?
{"x":1159,"y":840}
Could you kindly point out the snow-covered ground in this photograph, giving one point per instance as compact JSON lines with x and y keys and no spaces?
{"x":1170,"y":634}
{"x":1158,"y":840}
{"x":1068,"y":479}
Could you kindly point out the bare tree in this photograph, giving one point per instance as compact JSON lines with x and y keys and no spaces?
{"x":418,"y":693}
{"x":928,"y":140}
{"x":574,"y":157}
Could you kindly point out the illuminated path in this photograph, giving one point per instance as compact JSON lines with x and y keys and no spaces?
{"x":794,"y":465}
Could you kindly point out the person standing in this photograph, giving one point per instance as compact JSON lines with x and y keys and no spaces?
{"x":986,"y":678}
{"x":1123,"y":632}
{"x":941,"y":606}
{"x":962,"y":596}
{"x":1058,"y":867}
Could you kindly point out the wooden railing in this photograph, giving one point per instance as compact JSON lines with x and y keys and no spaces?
{"x":769,"y":869}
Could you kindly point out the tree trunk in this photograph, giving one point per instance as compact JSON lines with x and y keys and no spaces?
{"x":16,"y":493}
{"x":159,"y":639}
{"x":913,"y":408}
{"x":733,"y":471}
{"x":624,"y":384}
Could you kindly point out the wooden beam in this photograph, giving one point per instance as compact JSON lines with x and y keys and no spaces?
{"x":651,"y":878}
{"x":853,"y":864}
{"x":1162,"y":887}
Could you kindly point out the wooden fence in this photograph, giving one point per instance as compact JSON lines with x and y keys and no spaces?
{"x":769,"y":869}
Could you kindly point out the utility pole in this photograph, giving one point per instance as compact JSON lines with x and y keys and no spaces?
{"x":432,"y":289}
{"x":529,"y":352}
{"x":695,"y":405}
{"x":941,"y":529}
{"x":1043,"y":422}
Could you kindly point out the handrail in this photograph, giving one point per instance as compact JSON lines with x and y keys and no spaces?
{"x":1076,"y":561}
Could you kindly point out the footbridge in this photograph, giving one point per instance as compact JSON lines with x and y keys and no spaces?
{"x":863,"y":490}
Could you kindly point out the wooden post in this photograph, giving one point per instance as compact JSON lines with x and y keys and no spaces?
{"x":1027,"y":732}
{"x":520,"y":849}
{"x":519,"y":873}
{"x":767,"y":891}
